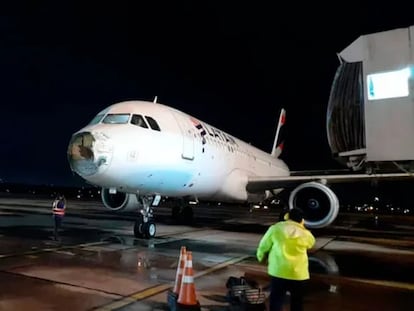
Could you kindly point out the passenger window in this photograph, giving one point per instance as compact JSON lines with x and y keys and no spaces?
{"x":153,"y":123}
{"x":137,"y":119}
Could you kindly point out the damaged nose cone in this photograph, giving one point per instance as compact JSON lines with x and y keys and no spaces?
{"x":89,"y":154}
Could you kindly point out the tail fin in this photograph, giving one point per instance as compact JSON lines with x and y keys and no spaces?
{"x":279,"y":139}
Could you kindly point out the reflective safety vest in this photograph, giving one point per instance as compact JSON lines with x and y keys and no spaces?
{"x":58,"y":208}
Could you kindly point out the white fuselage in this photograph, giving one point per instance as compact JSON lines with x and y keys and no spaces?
{"x":186,"y":157}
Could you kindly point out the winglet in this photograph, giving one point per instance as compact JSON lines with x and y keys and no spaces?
{"x":278,"y":143}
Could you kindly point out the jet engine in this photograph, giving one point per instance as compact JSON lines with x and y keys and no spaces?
{"x":119,"y":201}
{"x":318,"y":202}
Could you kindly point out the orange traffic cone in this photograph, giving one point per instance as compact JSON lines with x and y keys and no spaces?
{"x":180,"y":270}
{"x":187,"y":299}
{"x":172,"y":296}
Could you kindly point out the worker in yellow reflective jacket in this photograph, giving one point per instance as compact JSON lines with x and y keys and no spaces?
{"x":285,"y":244}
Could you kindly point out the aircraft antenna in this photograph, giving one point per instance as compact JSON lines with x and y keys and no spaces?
{"x":155,"y":99}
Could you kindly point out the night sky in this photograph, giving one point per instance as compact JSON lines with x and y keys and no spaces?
{"x":233,"y":66}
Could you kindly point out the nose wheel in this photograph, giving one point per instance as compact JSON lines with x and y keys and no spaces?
{"x":150,"y":229}
{"x":143,"y":229}
{"x":144,"y":226}
{"x":138,"y":227}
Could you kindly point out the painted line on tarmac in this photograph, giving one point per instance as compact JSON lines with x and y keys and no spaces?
{"x":50,"y":249}
{"x":344,"y":281}
{"x":392,"y":284}
{"x":221,"y":265}
{"x":152,"y":291}
{"x":135,"y":297}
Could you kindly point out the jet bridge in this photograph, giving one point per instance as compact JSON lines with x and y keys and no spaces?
{"x":370,"y":115}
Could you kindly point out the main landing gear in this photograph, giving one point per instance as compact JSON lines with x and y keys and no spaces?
{"x":144,"y":225}
{"x":182,"y":213}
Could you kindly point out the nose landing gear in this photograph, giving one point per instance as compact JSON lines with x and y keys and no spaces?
{"x":144,"y":225}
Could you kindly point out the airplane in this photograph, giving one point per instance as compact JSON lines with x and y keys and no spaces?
{"x":141,"y":151}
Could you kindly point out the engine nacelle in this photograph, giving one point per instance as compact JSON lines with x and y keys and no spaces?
{"x":119,"y":201}
{"x":318,"y":202}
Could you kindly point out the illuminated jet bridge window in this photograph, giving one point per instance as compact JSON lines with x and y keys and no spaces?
{"x":389,"y":84}
{"x":96,"y":119}
{"x":116,"y":118}
{"x":154,"y":125}
{"x":137,"y":119}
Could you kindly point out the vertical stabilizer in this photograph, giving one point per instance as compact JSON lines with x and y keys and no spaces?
{"x":279,"y":139}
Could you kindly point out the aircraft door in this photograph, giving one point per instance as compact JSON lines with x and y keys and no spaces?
{"x":188,"y":136}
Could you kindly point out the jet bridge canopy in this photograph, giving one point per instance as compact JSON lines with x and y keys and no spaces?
{"x":370,"y":115}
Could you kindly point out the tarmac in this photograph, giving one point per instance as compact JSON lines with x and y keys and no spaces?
{"x":356,"y":264}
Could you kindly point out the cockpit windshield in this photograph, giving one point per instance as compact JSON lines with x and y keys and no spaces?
{"x":96,"y":119}
{"x":116,"y":118}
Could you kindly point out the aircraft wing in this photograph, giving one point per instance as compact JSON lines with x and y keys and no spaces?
{"x":260,"y":183}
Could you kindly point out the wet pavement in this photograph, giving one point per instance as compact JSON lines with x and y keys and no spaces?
{"x":98,"y":265}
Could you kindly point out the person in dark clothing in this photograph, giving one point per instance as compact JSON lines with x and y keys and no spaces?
{"x":58,"y":211}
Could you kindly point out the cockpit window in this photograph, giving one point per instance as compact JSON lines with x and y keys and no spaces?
{"x":96,"y":119}
{"x":153,"y":123}
{"x":137,"y":119}
{"x":118,"y":118}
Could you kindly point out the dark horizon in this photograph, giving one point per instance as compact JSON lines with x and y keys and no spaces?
{"x":388,"y":197}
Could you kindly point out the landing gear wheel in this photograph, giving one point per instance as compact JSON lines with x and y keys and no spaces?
{"x":138,"y":227}
{"x":149,"y":229}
